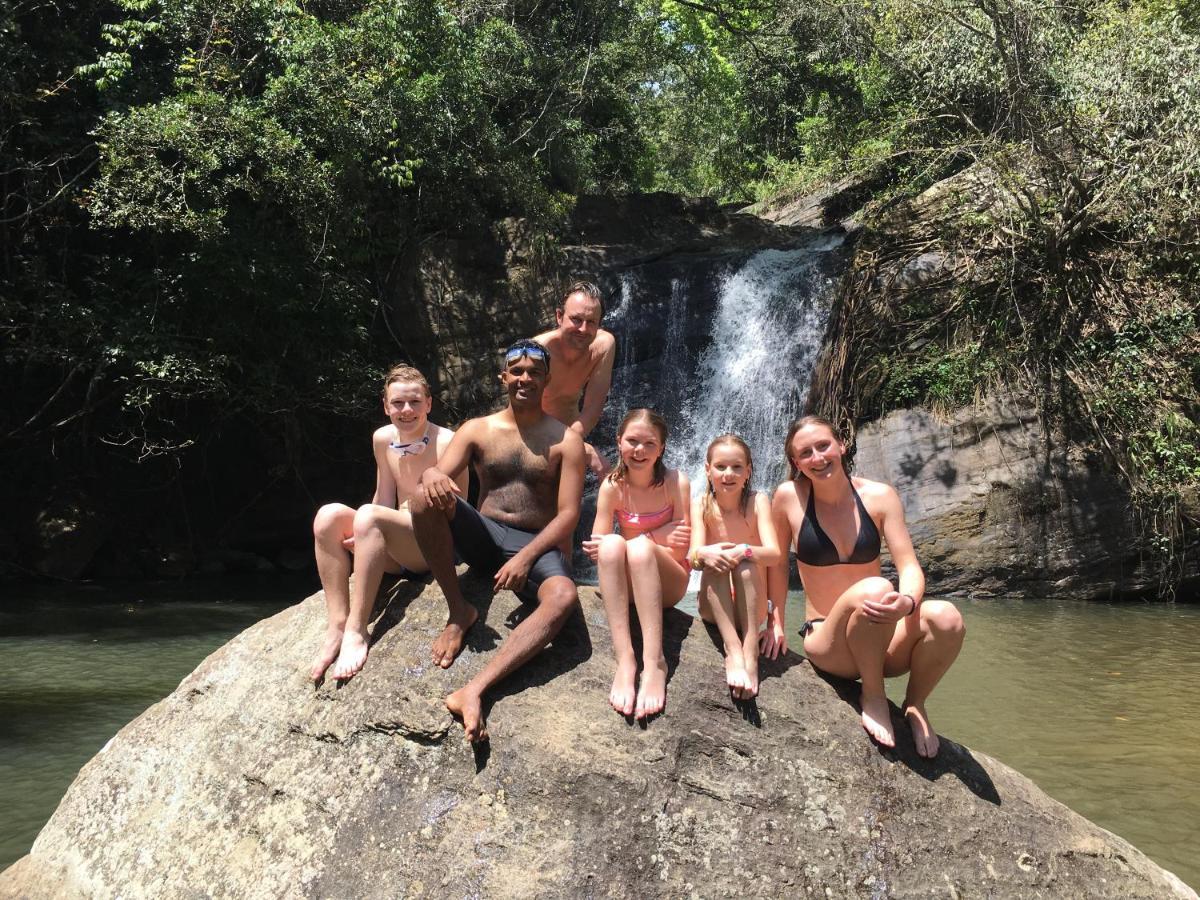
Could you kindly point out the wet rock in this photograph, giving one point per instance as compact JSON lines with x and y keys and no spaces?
{"x":248,"y":783}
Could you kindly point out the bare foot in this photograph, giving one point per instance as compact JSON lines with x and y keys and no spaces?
{"x":621,"y":697}
{"x":450,"y":642}
{"x":652,"y":693}
{"x":327,"y":654}
{"x":877,"y":719}
{"x":468,"y":707}
{"x":925,"y":739}
{"x":751,"y":674}
{"x":735,"y":674}
{"x":352,"y":657}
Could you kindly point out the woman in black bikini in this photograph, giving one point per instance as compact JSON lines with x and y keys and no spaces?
{"x":859,"y":625}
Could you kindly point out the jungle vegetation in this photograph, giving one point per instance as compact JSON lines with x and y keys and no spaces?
{"x":203,"y":200}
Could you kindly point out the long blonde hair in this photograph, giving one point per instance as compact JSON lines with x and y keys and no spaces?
{"x":709,"y":502}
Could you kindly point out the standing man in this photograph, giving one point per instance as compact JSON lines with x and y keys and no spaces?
{"x":530,"y":469}
{"x":583,"y":355}
{"x":378,"y":536}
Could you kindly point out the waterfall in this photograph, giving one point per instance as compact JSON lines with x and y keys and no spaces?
{"x":718,"y":344}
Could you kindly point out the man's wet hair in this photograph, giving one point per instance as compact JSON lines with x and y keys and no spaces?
{"x":407,"y":375}
{"x":589,"y":290}
{"x":527,"y":347}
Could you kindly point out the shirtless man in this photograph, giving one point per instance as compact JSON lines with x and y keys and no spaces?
{"x":530,"y":468}
{"x":582,"y":354}
{"x":377,"y":537}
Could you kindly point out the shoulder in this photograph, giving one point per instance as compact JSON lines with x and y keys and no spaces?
{"x":548,"y":339}
{"x":762,"y":502}
{"x":785,"y":495}
{"x":877,"y":495}
{"x":441,"y":436}
{"x":676,"y":478}
{"x":382,"y":436}
{"x":604,"y":343}
{"x":608,"y":487}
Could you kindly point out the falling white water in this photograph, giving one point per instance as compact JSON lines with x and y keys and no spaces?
{"x":754,"y":376}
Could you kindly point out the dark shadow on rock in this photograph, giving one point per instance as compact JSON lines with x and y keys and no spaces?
{"x":477,"y":590}
{"x":571,"y":647}
{"x":952,"y":759}
{"x":392,"y":602}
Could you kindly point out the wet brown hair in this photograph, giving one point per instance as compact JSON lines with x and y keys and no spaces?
{"x":406,"y":374}
{"x":804,"y":422}
{"x":589,"y":290}
{"x":659,"y":424}
{"x":733,"y":440}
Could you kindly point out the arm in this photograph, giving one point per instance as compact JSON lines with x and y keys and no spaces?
{"x":677,"y":536}
{"x":602,"y":525}
{"x":766,"y":552}
{"x":773,"y":640}
{"x":385,"y":484}
{"x":445,"y":436}
{"x":711,"y":556}
{"x":558,"y":530}
{"x":895,"y":605}
{"x":440,"y":482}
{"x":595,"y":392}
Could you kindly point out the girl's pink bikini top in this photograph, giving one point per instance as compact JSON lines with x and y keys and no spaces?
{"x":641,"y":522}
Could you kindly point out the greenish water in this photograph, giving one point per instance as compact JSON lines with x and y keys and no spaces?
{"x":77,"y":664}
{"x":1097,"y":703}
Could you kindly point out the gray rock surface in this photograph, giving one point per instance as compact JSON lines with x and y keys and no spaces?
{"x":996,"y":505}
{"x":247,"y":783}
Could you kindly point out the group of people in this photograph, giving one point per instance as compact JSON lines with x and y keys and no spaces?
{"x":649,"y":534}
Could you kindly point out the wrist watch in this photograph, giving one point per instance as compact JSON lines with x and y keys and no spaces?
{"x":913,"y":601}
{"x":749,"y":554}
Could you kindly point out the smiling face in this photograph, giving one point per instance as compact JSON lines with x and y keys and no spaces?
{"x":727,"y":469}
{"x":407,"y":405}
{"x":525,"y":380}
{"x":578,"y":320}
{"x":640,"y":446}
{"x":816,"y":453}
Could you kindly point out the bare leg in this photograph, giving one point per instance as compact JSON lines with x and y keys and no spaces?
{"x":383,"y":542}
{"x":718,"y":590}
{"x":614,"y":588}
{"x":749,"y":590}
{"x":849,"y":644}
{"x":926,"y":649}
{"x":431,"y":526}
{"x":332,"y":527}
{"x":557,"y":598}
{"x":647,"y":585}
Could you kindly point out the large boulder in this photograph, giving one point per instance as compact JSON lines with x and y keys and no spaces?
{"x":246,"y":782}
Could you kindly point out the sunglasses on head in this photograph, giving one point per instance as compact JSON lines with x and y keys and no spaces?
{"x":532,"y":352}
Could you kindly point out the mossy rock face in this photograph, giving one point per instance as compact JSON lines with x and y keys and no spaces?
{"x":246,"y":782}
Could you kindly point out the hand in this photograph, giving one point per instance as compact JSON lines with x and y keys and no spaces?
{"x":772,"y":640}
{"x":889,"y":609}
{"x":597,"y":463}
{"x":512,"y":574}
{"x":713,"y":556}
{"x":592,"y":547}
{"x":439,"y":489}
{"x":675,"y":536}
{"x":735,"y":555}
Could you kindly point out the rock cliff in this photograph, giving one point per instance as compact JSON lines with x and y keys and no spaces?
{"x":247,"y":783}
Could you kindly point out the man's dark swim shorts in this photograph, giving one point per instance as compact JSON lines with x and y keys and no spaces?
{"x":485,"y":544}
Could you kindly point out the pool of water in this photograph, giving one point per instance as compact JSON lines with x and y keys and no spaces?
{"x":1097,"y":703}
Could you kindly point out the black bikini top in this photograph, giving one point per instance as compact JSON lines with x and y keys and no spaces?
{"x":814,"y":548}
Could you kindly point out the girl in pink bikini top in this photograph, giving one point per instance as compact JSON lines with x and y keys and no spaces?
{"x":641,"y":559}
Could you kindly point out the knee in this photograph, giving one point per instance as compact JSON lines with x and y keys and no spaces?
{"x":745,"y":573}
{"x":326,"y":519}
{"x":366,"y":521}
{"x":560,"y":600}
{"x":943,"y":618}
{"x":873,"y":588}
{"x":612,"y":549}
{"x":640,"y":552}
